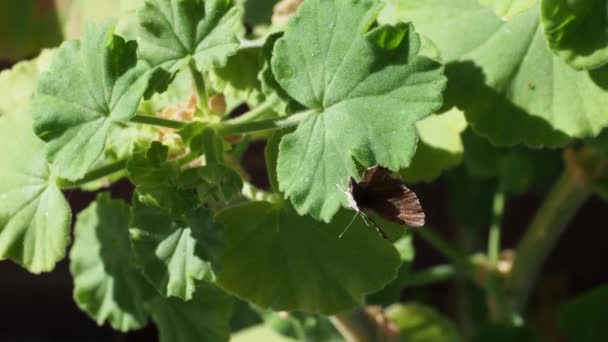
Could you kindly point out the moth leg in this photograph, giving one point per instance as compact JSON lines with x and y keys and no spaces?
{"x":371,"y":223}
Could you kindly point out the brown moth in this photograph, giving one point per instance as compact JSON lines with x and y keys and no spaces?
{"x":381,"y":193}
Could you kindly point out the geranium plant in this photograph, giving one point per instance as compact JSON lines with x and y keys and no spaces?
{"x":484,"y":95}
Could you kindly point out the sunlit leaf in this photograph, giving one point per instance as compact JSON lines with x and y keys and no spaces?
{"x":91,"y":86}
{"x":365,"y":86}
{"x":34,"y":215}
{"x":107,"y":285}
{"x":418,"y":323}
{"x":506,"y":9}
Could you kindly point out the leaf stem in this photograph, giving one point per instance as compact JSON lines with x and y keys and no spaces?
{"x":441,"y":245}
{"x":498,"y":205}
{"x":558,"y":209}
{"x":156,"y":121}
{"x":355,"y":326}
{"x":230,"y":128}
{"x":199,"y":86}
{"x":93,"y":175}
{"x":430,"y":276}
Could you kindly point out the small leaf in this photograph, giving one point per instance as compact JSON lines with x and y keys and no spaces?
{"x":302,"y":327}
{"x":440,"y":147}
{"x":259,"y":333}
{"x":172,"y":254}
{"x":506,"y":9}
{"x":173,"y":31}
{"x":157,"y":181}
{"x":366,"y":92}
{"x":205,"y":317}
{"x":584,"y":318}
{"x":34,"y":215}
{"x":238,"y":79}
{"x":277,"y":259}
{"x":512,"y":88}
{"x":576,"y":31}
{"x":419,"y":323}
{"x":107,"y":285}
{"x":91,"y":86}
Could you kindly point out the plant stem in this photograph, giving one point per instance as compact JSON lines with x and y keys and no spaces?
{"x":441,"y":245}
{"x":156,"y":121}
{"x":263,"y":111}
{"x":495,"y":228}
{"x":562,"y":203}
{"x":199,"y":86}
{"x":228,"y":128}
{"x":355,"y":326}
{"x":435,"y":274}
{"x":93,"y":175}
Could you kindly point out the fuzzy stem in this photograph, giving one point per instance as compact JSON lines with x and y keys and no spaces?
{"x":199,"y":86}
{"x":355,"y":326}
{"x":495,"y":228}
{"x":156,"y":121}
{"x":562,"y":203}
{"x":441,"y":245}
{"x":228,"y":128}
{"x":93,"y":175}
{"x":435,"y":274}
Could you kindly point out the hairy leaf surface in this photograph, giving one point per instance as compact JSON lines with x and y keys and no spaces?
{"x":512,"y":88}
{"x":275,"y":258}
{"x":91,"y":85}
{"x":173,"y":31}
{"x":34,"y":215}
{"x":107,"y":285}
{"x":367,"y":87}
{"x":171,"y":252}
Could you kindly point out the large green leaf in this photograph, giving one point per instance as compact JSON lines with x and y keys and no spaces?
{"x":171,"y":253}
{"x":506,"y":9}
{"x":173,"y":31}
{"x":275,"y":258}
{"x":205,"y":317}
{"x":584,"y":318}
{"x":577,"y":31}
{"x":34,"y":215}
{"x":366,"y":87}
{"x":91,"y":85}
{"x":513,"y":89}
{"x":440,"y":147}
{"x":418,"y":323}
{"x":107,"y":285}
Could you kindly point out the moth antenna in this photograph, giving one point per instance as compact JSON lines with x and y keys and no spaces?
{"x":370,"y":222}
{"x":350,"y":224}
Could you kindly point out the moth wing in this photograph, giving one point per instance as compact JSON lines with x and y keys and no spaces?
{"x":398,"y":204}
{"x":374,"y":176}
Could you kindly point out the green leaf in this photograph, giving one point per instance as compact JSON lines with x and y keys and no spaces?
{"x":500,"y":333}
{"x":419,"y":323}
{"x":91,"y":86}
{"x":173,"y":255}
{"x":440,"y":147}
{"x":205,"y":317}
{"x":506,"y":9}
{"x":576,"y":31}
{"x":277,"y":259}
{"x":391,"y":293}
{"x":157,"y":181}
{"x":276,"y":95}
{"x":173,"y":31}
{"x":512,"y":88}
{"x":584,"y":318}
{"x":366,"y":92}
{"x":34,"y":215}
{"x":238,"y":79}
{"x":107,"y":285}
